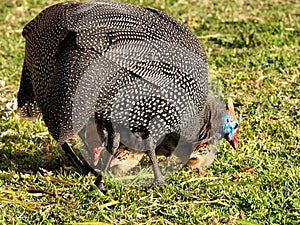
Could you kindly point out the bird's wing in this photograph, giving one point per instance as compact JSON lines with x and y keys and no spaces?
{"x":146,"y":42}
{"x":80,"y":47}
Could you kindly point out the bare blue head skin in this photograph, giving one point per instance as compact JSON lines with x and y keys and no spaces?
{"x":231,"y":128}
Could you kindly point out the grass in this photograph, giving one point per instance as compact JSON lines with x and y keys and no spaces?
{"x":253,"y":51}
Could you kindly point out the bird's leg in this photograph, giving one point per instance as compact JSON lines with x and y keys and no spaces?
{"x":112,"y":147}
{"x":158,"y":177}
{"x":71,"y":154}
{"x":74,"y":158}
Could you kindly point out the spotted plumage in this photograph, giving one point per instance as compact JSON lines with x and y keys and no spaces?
{"x":134,"y":69}
{"x":80,"y":32}
{"x":204,"y":151}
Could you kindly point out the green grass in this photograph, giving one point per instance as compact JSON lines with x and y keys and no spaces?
{"x":253,"y":51}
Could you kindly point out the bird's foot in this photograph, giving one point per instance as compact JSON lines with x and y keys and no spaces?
{"x":159,"y":183}
{"x":99,"y":183}
{"x":99,"y":187}
{"x":249,"y":170}
{"x":202,"y":172}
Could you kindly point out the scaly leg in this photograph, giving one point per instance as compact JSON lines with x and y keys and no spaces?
{"x":74,"y":158}
{"x":158,"y":177}
{"x":112,"y":147}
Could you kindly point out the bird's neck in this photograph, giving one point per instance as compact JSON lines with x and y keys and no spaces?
{"x":212,"y":127}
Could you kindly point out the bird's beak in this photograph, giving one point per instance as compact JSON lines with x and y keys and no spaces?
{"x":234,"y":143}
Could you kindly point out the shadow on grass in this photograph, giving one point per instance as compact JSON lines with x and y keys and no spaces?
{"x":28,"y":154}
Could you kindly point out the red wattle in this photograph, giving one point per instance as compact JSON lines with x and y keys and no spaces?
{"x":97,"y":150}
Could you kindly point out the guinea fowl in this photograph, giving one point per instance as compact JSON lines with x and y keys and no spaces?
{"x":125,"y":159}
{"x":133,"y":69}
{"x":219,"y":124}
{"x":204,"y":153}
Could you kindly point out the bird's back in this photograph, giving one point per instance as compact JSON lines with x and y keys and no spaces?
{"x":123,"y":61}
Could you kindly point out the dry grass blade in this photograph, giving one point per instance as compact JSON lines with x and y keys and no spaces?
{"x":108,"y":204}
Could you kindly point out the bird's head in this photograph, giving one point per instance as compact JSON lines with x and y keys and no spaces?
{"x":231,"y":125}
{"x":95,"y":139}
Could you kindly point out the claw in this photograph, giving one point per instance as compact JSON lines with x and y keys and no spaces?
{"x":159,"y":183}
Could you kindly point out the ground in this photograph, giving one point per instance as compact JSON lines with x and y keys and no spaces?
{"x":253,"y":52}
